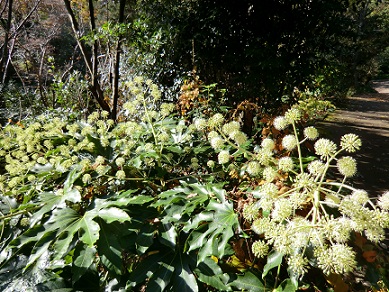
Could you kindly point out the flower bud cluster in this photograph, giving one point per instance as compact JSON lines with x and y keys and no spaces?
{"x":282,"y":225}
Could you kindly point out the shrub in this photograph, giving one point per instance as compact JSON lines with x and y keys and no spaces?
{"x":159,"y":203}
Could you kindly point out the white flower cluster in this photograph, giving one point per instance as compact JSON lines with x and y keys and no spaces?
{"x":313,"y":211}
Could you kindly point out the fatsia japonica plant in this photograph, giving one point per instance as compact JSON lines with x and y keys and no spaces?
{"x":157,"y":202}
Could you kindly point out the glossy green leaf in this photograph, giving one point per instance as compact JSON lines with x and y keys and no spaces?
{"x":113,"y":214}
{"x":147,"y":267}
{"x":168,"y":235}
{"x":109,"y":248}
{"x":210,"y":273}
{"x":89,"y":230}
{"x":160,"y":278}
{"x":184,"y":279}
{"x":274,"y":259}
{"x":31,"y":235}
{"x":69,"y":224}
{"x":175,"y":149}
{"x":72,"y":195}
{"x":145,"y":238}
{"x":38,"y":168}
{"x":50,"y":201}
{"x":247,"y":282}
{"x":197,"y":220}
{"x":287,"y":286}
{"x":84,"y":257}
{"x":138,"y":200}
{"x":73,"y":175}
{"x":220,"y":227}
{"x":40,"y":248}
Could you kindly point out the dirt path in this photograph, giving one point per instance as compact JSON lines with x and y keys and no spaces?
{"x":366,"y":115}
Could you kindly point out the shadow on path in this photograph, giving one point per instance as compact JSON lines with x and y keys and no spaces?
{"x":367,"y":116}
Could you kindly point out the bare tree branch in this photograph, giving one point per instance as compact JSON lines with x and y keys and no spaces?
{"x":95,"y":87}
{"x":116,"y":73}
{"x":4,"y":61}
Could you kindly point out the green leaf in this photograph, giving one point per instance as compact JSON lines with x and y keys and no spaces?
{"x":110,"y":250}
{"x":287,"y":286}
{"x":40,"y":248}
{"x":72,"y":195}
{"x":38,"y":168}
{"x":175,"y":149}
{"x":139,"y":200}
{"x":210,"y":273}
{"x":198,"y":150}
{"x":197,"y":220}
{"x":220,"y":227}
{"x":69,"y":223}
{"x":50,"y":201}
{"x":145,"y":238}
{"x":168,"y":235}
{"x":73,"y":175}
{"x":113,"y":214}
{"x":274,"y":259}
{"x":89,"y":230}
{"x":161,"y":277}
{"x":147,"y":267}
{"x":127,"y":193}
{"x":123,"y":199}
{"x":31,"y":235}
{"x":248,"y":282}
{"x":84,"y":257}
{"x":184,"y":279}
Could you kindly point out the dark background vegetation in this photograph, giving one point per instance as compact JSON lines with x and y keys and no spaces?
{"x":256,"y":51}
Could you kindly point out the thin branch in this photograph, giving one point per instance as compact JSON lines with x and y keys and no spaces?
{"x":116,"y":75}
{"x":76,"y":30}
{"x":16,"y":31}
{"x":5,"y":51}
{"x":95,"y":88}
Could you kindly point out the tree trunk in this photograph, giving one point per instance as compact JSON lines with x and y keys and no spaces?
{"x":116,"y":73}
{"x":94,"y":87}
{"x":4,"y":61}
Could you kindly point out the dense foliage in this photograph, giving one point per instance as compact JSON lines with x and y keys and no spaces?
{"x":159,"y":203}
{"x":260,"y":52}
{"x":165,"y":183}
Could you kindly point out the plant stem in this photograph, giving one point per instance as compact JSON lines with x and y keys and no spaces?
{"x":298,"y":148}
{"x":19,"y":212}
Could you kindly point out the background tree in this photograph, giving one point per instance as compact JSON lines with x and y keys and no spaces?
{"x":91,"y":47}
{"x":31,"y":32}
{"x":261,"y":51}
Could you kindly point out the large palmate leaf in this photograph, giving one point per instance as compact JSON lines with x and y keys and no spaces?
{"x":109,"y":246}
{"x":185,"y":200}
{"x":84,"y":257}
{"x":211,"y":219}
{"x":66,"y":225}
{"x":62,"y":228}
{"x":211,"y":230}
{"x":165,"y":270}
{"x":209,"y":272}
{"x":184,"y":278}
{"x":51,"y":200}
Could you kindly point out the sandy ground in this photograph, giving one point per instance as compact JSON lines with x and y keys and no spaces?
{"x":366,"y":115}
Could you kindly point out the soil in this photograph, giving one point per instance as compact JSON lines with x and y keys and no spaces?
{"x":366,"y":115}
